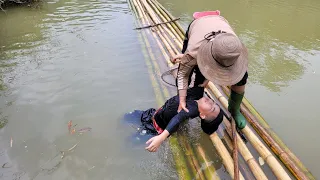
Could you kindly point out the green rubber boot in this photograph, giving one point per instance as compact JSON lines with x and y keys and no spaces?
{"x":235,"y":100}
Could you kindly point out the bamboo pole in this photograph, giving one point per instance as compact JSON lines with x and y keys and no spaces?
{"x":235,"y":150}
{"x":145,"y":20}
{"x":166,"y":16}
{"x":274,"y":142}
{"x":258,"y":145}
{"x":169,"y":15}
{"x":246,"y":154}
{"x":228,"y":142}
{"x":224,"y":154}
{"x":154,"y":25}
{"x":162,"y":27}
{"x":198,"y":174}
{"x":209,"y":170}
{"x":169,"y":25}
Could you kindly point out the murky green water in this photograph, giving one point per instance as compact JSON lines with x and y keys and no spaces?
{"x":81,"y":61}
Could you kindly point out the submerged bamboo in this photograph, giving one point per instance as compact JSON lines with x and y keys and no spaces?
{"x":198,"y":174}
{"x":180,"y":161}
{"x":209,"y":171}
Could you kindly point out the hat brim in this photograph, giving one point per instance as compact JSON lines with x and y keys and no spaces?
{"x":214,"y":72}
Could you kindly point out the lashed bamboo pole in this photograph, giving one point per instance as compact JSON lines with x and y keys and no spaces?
{"x":229,"y":144}
{"x":198,"y":174}
{"x":167,"y":17}
{"x":162,"y":27}
{"x":224,"y":154}
{"x":168,"y":14}
{"x":252,"y":163}
{"x":145,"y":21}
{"x":180,"y":162}
{"x":246,"y":154}
{"x":209,"y":170}
{"x":257,"y":144}
{"x":273,"y":141}
{"x":154,"y":25}
{"x":169,"y":25}
{"x":235,"y":149}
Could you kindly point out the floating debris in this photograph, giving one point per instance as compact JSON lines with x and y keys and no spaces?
{"x":69,"y":125}
{"x":5,"y":165}
{"x":11,"y":141}
{"x":261,"y":161}
{"x":73,"y":131}
{"x":143,"y":132}
{"x":91,"y":168}
{"x":86,"y":129}
{"x":73,"y":147}
{"x":62,"y":156}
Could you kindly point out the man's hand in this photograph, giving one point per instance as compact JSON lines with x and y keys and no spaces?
{"x":182,"y":105}
{"x":176,"y":58}
{"x":204,"y":84}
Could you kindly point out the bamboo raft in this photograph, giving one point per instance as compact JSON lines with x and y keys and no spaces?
{"x":157,"y":26}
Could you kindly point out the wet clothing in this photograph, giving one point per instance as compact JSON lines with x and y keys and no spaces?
{"x":194,"y":37}
{"x":167,"y":118}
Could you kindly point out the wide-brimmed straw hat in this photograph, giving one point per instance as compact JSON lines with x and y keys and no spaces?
{"x":223,"y":59}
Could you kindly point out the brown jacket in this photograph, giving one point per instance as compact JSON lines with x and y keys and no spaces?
{"x":198,"y":29}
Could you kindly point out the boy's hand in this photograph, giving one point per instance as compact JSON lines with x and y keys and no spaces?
{"x":155,"y":142}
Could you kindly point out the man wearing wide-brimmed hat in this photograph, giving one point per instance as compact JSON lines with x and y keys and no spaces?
{"x":212,"y":46}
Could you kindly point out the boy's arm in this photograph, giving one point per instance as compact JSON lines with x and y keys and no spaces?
{"x":172,"y":127}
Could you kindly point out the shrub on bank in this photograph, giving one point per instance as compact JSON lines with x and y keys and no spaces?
{"x":10,"y":3}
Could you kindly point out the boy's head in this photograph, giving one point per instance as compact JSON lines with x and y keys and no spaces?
{"x":210,"y":114}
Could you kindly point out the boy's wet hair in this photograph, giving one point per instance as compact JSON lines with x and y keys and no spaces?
{"x":210,"y":126}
